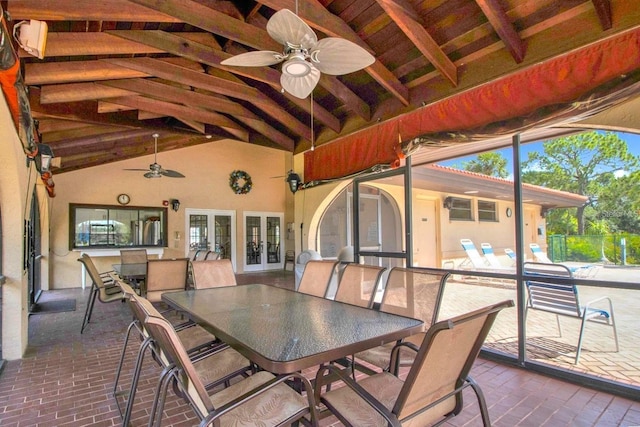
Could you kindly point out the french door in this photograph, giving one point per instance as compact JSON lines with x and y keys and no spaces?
{"x":210,"y":230}
{"x":263,"y":241}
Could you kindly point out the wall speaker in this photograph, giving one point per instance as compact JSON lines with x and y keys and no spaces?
{"x":32,"y":36}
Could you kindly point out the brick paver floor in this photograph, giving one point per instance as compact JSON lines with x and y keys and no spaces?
{"x":66,"y":379}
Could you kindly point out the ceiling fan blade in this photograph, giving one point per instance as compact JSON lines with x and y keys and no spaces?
{"x":287,"y":28}
{"x":338,"y":56}
{"x":258,"y":58}
{"x":171,"y":174}
{"x":141,"y":170}
{"x":300,"y":87}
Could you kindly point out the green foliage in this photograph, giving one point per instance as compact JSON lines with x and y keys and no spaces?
{"x":590,"y":164}
{"x":490,"y":164}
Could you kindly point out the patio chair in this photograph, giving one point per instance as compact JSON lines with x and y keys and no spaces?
{"x":316,"y":277}
{"x":562,"y":299}
{"x":410,"y":292}
{"x":214,"y":362}
{"x":359,"y":284}
{"x":102,"y":287}
{"x":213,"y":273}
{"x":512,"y":255}
{"x":432,"y":391}
{"x":490,"y":256}
{"x":538,"y":254}
{"x":165,"y":275}
{"x":473,"y":256}
{"x":261,"y":399}
{"x":133,"y":256}
{"x":541,"y":257}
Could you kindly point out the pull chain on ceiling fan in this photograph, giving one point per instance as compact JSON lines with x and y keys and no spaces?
{"x":304,"y":56}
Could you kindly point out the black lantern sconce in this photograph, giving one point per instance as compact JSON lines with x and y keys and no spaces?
{"x":448,"y":202}
{"x":294,"y":181}
{"x":175,"y":204}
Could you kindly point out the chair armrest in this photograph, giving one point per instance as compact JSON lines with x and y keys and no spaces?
{"x":359,"y":390}
{"x":605,"y":298}
{"x":394,"y":360}
{"x":261,"y":389}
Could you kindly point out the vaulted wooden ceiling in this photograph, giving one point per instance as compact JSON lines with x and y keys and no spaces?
{"x":117,"y":71}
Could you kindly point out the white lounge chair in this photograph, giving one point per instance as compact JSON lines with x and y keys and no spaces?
{"x":473,"y":256}
{"x":490,"y":256}
{"x":579,"y":271}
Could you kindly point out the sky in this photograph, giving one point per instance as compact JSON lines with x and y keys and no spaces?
{"x":633,"y":142}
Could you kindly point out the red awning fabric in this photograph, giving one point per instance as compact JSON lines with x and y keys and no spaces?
{"x":557,"y":81}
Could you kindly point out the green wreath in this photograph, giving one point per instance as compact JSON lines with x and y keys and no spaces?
{"x":234,"y":182}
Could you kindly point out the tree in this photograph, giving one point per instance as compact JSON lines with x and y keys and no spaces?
{"x":491,"y":164}
{"x":584,"y":164}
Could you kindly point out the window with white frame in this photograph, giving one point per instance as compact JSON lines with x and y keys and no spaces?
{"x":460,"y":209}
{"x":487,"y":211}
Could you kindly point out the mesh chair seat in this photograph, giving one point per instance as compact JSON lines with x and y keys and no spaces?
{"x":269,"y":409}
{"x":411,"y":292}
{"x":432,"y":390}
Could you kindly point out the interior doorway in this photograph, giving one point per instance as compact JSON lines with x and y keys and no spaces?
{"x":33,"y":254}
{"x":263,"y":241}
{"x":210,"y":230}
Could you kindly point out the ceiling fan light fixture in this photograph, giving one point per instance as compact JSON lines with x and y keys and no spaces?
{"x":296,"y":67}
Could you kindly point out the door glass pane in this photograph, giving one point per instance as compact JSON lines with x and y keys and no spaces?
{"x":223,"y":236}
{"x":198,"y":232}
{"x":273,"y":240}
{"x":254,"y":244}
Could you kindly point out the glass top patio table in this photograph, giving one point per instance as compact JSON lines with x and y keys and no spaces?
{"x":285,"y":331}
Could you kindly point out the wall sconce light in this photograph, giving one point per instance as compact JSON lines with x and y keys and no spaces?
{"x":543,"y":212}
{"x":294,"y":181}
{"x":42,"y":159}
{"x":448,"y":202}
{"x":175,"y":204}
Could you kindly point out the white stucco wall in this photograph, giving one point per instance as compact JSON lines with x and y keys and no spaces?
{"x":206,"y":186}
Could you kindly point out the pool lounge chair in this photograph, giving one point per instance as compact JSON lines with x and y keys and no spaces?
{"x":473,"y":256}
{"x":490,"y":255}
{"x":579,"y":271}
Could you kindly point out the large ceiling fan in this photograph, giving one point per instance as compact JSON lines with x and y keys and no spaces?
{"x":155,"y":170}
{"x":304,"y":56}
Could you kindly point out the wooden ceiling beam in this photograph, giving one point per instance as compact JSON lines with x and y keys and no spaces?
{"x":215,"y":103}
{"x":211,"y":20}
{"x":408,"y":20}
{"x":317,"y":16}
{"x":217,"y":85}
{"x":603,"y":9}
{"x":87,"y":141}
{"x":73,"y":92}
{"x":500,"y":22}
{"x":81,"y":44}
{"x":85,"y":10}
{"x":178,"y":111}
{"x":177,"y":45}
{"x":85,"y":131}
{"x":43,"y":73}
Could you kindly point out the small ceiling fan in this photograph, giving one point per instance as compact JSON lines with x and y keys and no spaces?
{"x":155,"y":170}
{"x":305,"y":57}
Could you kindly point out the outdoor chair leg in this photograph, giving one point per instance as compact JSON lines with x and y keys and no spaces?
{"x":134,"y":381}
{"x":155,"y":415}
{"x":484,"y":412}
{"x":89,"y":310}
{"x":122,"y":355}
